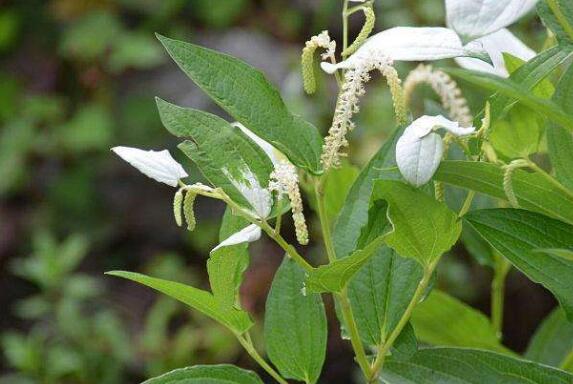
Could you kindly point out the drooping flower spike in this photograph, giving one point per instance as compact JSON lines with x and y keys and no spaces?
{"x":323,"y":41}
{"x":158,"y":165}
{"x":420,"y":149}
{"x":484,"y":21}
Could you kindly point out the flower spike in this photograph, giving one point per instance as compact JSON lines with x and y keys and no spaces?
{"x":321,"y":40}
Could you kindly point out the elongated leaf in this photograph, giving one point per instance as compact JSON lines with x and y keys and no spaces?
{"x":207,"y":374}
{"x":563,"y":253}
{"x":336,"y":275}
{"x":467,"y":366}
{"x":466,"y":327}
{"x":227,"y":264}
{"x":251,"y":99}
{"x":338,"y":184}
{"x":559,"y":139}
{"x":530,"y":75}
{"x":222,"y":152}
{"x":422,"y":237}
{"x":509,"y":88}
{"x":553,"y":23}
{"x":380,"y":293}
{"x":552,"y":343}
{"x":295,"y":325}
{"x":354,"y":214}
{"x":204,"y":302}
{"x":532,"y":190}
{"x":517,"y":234}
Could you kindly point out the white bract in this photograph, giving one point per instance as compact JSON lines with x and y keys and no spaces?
{"x":159,"y":165}
{"x":271,"y":151}
{"x":484,"y":21}
{"x":248,"y":234}
{"x":259,"y":198}
{"x":420,"y":149}
{"x":410,"y":44}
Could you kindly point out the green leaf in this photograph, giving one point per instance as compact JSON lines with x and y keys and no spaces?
{"x":227,"y":264}
{"x":507,"y":87}
{"x":530,"y":75}
{"x":532,"y":190}
{"x":335,"y":276}
{"x":517,"y":234}
{"x":552,"y":343}
{"x":554,"y":23}
{"x":406,"y":345}
{"x":518,"y":135}
{"x":354,"y":214}
{"x":236,"y":320}
{"x":466,"y":327}
{"x":251,"y":99}
{"x":207,"y":374}
{"x":222,"y":152}
{"x":337,"y":185}
{"x":295,"y":325}
{"x":559,"y":139}
{"x":467,"y":366}
{"x":422,"y":237}
{"x":564,"y":253}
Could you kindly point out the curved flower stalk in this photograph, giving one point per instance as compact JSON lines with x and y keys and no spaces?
{"x":158,"y":165}
{"x":284,"y":181}
{"x":410,"y":44}
{"x":323,"y":41}
{"x":348,"y":103}
{"x":484,"y":21}
{"x":420,"y":149}
{"x":445,"y":87}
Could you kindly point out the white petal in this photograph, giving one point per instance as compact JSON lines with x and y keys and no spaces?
{"x":419,"y":150}
{"x":271,"y":152}
{"x":159,"y":165}
{"x":246,"y":235}
{"x":502,"y":41}
{"x":419,"y":159}
{"x":409,"y":44}
{"x":477,"y":18}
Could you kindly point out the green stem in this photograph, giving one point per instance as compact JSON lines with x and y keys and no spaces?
{"x":250,"y":348}
{"x":324,"y":222}
{"x":355,"y":339}
{"x":501,"y":269}
{"x":567,"y":364}
{"x":345,"y":26}
{"x":341,"y":297}
{"x":467,"y":203}
{"x":384,"y":347}
{"x":289,"y":249}
{"x":556,"y":9}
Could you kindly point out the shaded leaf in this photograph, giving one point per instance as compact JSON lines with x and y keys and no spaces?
{"x":207,"y":374}
{"x":552,"y":343}
{"x":517,"y":234}
{"x":295,"y":325}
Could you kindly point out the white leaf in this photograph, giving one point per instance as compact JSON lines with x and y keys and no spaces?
{"x":258,"y":197}
{"x":159,"y":165}
{"x":502,"y":41}
{"x":419,"y":150}
{"x":246,"y":235}
{"x":476,"y":18}
{"x":410,"y":44}
{"x":271,"y":151}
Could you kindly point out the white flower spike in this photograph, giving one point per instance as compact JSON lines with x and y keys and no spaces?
{"x":410,"y":44}
{"x":246,"y":235}
{"x":473,"y":19}
{"x":159,"y":165}
{"x":419,"y":150}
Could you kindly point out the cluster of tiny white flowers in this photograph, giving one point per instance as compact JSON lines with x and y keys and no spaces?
{"x":348,"y":103}
{"x":445,"y":87}
{"x":284,"y":181}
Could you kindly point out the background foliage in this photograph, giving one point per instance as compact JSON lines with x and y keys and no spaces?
{"x":77,"y":77}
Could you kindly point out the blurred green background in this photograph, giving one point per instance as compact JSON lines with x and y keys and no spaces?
{"x":78,"y":77}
